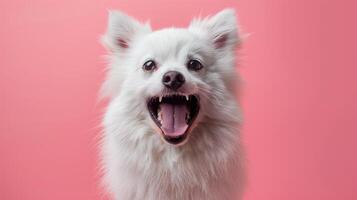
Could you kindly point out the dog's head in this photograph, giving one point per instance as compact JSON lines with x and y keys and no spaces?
{"x":173,"y":79}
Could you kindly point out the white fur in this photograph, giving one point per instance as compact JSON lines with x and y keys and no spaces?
{"x":137,"y":163}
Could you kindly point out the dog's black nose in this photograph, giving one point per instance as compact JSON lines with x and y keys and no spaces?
{"x":173,"y":80}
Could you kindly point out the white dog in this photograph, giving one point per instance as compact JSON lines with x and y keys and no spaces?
{"x":171,"y":128}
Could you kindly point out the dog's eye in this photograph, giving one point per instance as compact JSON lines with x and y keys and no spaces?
{"x":194,"y":65}
{"x":149,"y":65}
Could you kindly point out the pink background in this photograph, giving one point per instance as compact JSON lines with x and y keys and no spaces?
{"x":299,"y":100}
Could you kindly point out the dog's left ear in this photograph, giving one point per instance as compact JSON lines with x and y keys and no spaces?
{"x":122,"y":31}
{"x":222,"y":29}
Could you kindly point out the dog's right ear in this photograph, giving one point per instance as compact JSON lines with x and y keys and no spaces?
{"x":122,"y":31}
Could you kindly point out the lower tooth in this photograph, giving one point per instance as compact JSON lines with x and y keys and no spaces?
{"x":159,"y":116}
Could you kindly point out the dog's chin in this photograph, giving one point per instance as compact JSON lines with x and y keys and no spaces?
{"x":174,"y":116}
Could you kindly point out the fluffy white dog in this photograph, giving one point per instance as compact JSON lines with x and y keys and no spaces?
{"x":171,"y":127}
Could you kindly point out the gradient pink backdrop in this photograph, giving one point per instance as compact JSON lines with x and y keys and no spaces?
{"x":300,"y":96}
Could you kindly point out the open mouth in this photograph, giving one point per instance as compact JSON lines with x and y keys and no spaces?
{"x":174,"y":115}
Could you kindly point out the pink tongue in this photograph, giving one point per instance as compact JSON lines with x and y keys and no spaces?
{"x":173,"y":119}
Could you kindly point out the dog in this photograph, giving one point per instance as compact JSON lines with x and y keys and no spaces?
{"x":171,"y":129}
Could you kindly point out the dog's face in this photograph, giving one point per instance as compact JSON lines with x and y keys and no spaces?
{"x":172,"y":79}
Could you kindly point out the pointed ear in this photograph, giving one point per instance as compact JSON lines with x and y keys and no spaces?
{"x":222,"y":29}
{"x":122,"y":30}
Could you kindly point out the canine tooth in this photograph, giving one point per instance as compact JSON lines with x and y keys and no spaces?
{"x":186,"y":97}
{"x":159,"y":115}
{"x":160,"y":99}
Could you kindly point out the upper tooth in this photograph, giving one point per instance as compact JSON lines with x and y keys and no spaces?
{"x":160,"y":98}
{"x":186,"y":97}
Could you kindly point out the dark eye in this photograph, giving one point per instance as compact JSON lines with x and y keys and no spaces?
{"x":194,"y":65}
{"x":149,"y":65}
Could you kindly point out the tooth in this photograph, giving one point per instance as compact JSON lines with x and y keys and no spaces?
{"x":187,"y":97}
{"x":187,"y":118}
{"x":160,"y":99}
{"x":159,"y":115}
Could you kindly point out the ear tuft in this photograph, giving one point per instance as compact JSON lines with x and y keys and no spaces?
{"x":222,"y":29}
{"x":122,"y":30}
